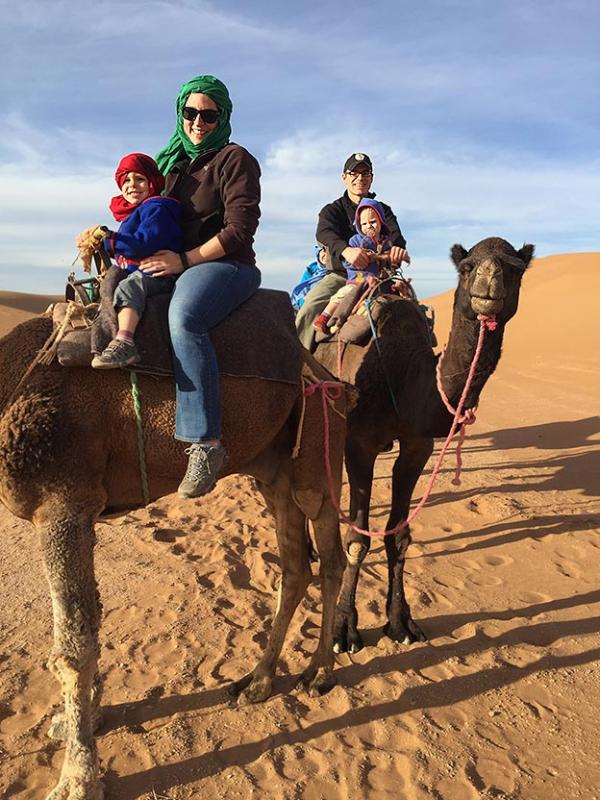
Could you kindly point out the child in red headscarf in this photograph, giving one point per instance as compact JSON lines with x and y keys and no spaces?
{"x":149,"y":223}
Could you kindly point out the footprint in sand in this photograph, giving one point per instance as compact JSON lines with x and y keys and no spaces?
{"x":455,"y":527}
{"x":433,"y":599}
{"x":569,"y":569}
{"x":450,"y":582}
{"x":457,"y":786}
{"x":468,"y":565}
{"x":449,"y":718}
{"x":437,"y":673}
{"x":495,"y":776}
{"x":29,"y":707}
{"x":485,"y":579}
{"x":533,"y":598}
{"x":497,"y":561}
{"x":518,"y":656}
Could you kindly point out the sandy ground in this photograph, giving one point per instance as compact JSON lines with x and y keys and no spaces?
{"x":501,"y":702}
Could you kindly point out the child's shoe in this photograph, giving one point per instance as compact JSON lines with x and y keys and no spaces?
{"x":118,"y":354}
{"x":321,"y":323}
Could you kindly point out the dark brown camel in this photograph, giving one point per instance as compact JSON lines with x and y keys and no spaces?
{"x":489,"y":283}
{"x":68,"y":450}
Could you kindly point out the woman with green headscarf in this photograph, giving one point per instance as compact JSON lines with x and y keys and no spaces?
{"x":217,"y":184}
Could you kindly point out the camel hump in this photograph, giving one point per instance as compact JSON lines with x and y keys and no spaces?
{"x":259,"y":339}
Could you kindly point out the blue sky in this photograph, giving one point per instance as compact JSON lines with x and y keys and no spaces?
{"x":481,"y":118}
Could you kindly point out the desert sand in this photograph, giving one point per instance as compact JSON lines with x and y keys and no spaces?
{"x":501,"y":702}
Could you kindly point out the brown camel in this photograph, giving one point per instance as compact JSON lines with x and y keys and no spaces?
{"x":68,"y":450}
{"x":489,"y":283}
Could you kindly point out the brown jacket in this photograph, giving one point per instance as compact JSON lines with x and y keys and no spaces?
{"x":219,"y":192}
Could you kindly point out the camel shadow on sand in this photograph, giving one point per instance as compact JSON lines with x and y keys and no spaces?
{"x":576,"y":470}
{"x":562,"y":435}
{"x":434,"y":694}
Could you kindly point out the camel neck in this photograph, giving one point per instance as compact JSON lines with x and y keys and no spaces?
{"x":459,"y":355}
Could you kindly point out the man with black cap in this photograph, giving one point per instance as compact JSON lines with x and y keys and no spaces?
{"x":334,"y":229}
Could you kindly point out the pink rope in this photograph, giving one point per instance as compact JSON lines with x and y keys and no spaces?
{"x":332,"y":390}
{"x":468,"y":418}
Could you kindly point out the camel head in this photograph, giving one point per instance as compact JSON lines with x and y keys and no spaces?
{"x":490,"y":276}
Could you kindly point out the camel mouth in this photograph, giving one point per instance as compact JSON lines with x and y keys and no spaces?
{"x":486,"y":305}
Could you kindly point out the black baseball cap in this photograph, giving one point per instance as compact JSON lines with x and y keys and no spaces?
{"x":355,"y":159}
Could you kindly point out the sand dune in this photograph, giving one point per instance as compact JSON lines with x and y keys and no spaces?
{"x":16,"y":307}
{"x":501,"y":702}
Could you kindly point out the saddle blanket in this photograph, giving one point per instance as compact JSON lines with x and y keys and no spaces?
{"x":257,"y":340}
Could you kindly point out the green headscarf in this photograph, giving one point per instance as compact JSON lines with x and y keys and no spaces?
{"x":179,"y":145}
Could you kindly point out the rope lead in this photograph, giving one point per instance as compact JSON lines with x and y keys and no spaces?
{"x":137,"y":406}
{"x":330,"y":390}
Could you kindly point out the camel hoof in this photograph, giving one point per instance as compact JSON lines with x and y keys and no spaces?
{"x":348,"y":644}
{"x":58,"y":727}
{"x":317,"y":683}
{"x":258,"y":690}
{"x":237,"y":687}
{"x":72,"y":789}
{"x":405,"y":635}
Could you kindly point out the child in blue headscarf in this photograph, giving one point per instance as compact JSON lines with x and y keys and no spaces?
{"x":311,"y":275}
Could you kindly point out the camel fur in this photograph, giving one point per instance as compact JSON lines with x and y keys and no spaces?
{"x":489,"y":283}
{"x":68,"y":452}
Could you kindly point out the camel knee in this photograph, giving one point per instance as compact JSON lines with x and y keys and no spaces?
{"x":71,"y":670}
{"x":356,"y":552}
{"x":401,"y":542}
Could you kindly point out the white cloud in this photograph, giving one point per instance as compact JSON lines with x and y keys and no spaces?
{"x":53,"y":186}
{"x":56,"y":182}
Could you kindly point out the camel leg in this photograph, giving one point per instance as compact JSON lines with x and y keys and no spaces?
{"x":360,"y":463}
{"x":67,"y":544}
{"x":318,"y":677}
{"x":295,"y":577}
{"x":408,"y":467}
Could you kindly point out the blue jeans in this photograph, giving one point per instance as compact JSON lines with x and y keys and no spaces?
{"x":204,"y":295}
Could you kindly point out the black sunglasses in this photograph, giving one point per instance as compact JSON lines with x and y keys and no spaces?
{"x":209,"y":115}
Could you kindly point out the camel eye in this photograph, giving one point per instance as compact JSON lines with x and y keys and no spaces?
{"x":517,"y":265}
{"x":465,"y":266}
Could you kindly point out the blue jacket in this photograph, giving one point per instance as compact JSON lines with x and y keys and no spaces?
{"x":310,"y":277}
{"x":154,"y":225}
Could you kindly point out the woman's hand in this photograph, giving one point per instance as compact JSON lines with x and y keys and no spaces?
{"x":398,"y":255}
{"x":163,"y":264}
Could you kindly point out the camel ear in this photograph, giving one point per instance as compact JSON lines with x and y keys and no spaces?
{"x":526,"y":253}
{"x":457,"y":253}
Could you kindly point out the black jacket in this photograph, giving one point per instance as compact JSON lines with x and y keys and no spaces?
{"x":336,"y":226}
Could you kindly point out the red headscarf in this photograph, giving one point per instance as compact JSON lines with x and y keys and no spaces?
{"x":143,"y":165}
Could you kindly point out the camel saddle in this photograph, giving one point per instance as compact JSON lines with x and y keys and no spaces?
{"x":256,"y":340}
{"x":350,"y":322}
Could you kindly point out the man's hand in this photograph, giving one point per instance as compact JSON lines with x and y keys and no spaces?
{"x":356,"y":256}
{"x":398,"y":255}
